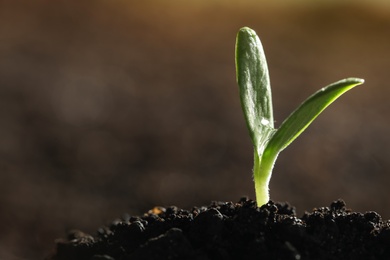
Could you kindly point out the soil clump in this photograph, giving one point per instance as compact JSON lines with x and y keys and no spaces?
{"x":226,"y":230}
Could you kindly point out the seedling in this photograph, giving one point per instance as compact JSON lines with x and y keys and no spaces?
{"x":256,"y":102}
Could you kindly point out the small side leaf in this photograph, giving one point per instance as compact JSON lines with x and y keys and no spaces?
{"x":301,"y":118}
{"x":255,"y":88}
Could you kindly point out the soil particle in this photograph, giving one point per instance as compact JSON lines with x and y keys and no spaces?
{"x":226,"y":230}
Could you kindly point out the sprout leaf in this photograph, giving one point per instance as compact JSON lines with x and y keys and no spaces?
{"x":255,"y":88}
{"x":302,"y":117}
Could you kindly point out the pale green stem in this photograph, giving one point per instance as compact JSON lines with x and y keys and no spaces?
{"x":262,"y":172}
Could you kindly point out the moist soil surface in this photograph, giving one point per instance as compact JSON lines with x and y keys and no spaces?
{"x":226,"y":230}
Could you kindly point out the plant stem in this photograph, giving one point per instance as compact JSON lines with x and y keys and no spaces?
{"x":262,"y":171}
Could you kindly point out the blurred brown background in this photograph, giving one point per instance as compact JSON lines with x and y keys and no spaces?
{"x":110,"y":107}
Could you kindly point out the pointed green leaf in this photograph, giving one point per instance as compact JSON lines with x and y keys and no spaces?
{"x":301,"y":118}
{"x":255,"y":88}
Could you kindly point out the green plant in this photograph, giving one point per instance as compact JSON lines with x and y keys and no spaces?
{"x":256,"y":102}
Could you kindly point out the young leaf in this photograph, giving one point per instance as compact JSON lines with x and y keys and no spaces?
{"x":302,"y":117}
{"x":255,"y":88}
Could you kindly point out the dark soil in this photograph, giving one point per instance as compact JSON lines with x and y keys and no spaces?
{"x":226,"y":230}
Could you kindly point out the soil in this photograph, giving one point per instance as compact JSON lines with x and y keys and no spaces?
{"x":226,"y":230}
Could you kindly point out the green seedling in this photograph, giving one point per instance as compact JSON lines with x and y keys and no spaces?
{"x":256,"y":102}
